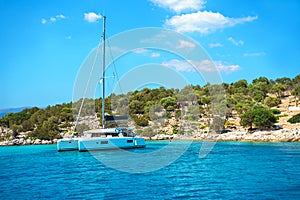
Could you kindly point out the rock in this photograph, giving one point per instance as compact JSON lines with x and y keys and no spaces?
{"x":15,"y":141}
{"x":37,"y":141}
{"x":21,"y":140}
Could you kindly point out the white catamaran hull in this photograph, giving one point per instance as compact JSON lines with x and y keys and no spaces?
{"x":67,"y":144}
{"x":99,"y":143}
{"x":110,"y":143}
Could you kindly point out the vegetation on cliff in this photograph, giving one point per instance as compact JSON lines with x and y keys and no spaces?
{"x":252,"y":102}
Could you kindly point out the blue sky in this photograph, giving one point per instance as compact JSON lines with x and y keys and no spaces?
{"x":44,"y":43}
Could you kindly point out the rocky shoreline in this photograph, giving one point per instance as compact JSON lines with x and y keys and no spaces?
{"x":21,"y":141}
{"x":284,"y":135}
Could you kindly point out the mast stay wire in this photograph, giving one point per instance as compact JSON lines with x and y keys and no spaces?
{"x":88,"y":83}
{"x":114,"y":66}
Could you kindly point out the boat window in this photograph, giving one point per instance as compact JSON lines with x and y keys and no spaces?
{"x":129,"y":141}
{"x":104,"y":142}
{"x":114,"y":134}
{"x":97,"y":134}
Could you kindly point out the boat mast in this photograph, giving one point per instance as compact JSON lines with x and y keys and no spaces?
{"x":103,"y":72}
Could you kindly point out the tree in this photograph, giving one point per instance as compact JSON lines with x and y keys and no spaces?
{"x":136,"y":107}
{"x":243,"y":106}
{"x":167,"y":102}
{"x":283,"y":81}
{"x":47,"y":131}
{"x":263,"y":117}
{"x":278,"y":89}
{"x":247,"y":119}
{"x":27,"y":125}
{"x":261,"y":84}
{"x":272,"y":101}
{"x":259,"y":116}
{"x":217,"y":124}
{"x":296,"y":93}
{"x":261,"y":79}
{"x":141,"y":120}
{"x":241,"y":84}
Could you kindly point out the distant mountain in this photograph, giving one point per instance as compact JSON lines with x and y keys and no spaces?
{"x":4,"y":111}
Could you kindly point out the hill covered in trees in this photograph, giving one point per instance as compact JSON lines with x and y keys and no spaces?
{"x":150,"y":110}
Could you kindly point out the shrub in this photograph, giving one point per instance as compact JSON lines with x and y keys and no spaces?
{"x":272,"y":101}
{"x":295,"y":119}
{"x":141,"y":121}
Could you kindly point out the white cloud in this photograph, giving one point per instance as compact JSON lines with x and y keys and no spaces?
{"x":205,"y":65}
{"x":204,"y":22}
{"x":211,"y":66}
{"x":226,"y":67}
{"x":60,"y":16}
{"x":179,"y":65}
{"x":92,"y":17}
{"x":155,"y":55}
{"x":140,"y":51}
{"x":213,"y":45}
{"x":145,"y":52}
{"x":254,"y":54}
{"x":44,"y":21}
{"x":180,"y":5}
{"x":53,"y":19}
{"x":235,"y":42}
{"x":185,"y":44}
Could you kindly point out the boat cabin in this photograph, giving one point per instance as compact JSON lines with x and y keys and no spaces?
{"x":109,"y":132}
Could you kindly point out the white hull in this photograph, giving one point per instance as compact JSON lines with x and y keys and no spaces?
{"x":98,"y":143}
{"x":67,"y":144}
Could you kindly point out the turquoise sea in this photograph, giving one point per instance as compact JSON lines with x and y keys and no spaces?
{"x":231,"y":170}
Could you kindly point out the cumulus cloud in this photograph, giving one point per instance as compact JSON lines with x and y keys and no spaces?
{"x":185,"y":44}
{"x":53,"y":19}
{"x":179,"y":65}
{"x":92,"y":17}
{"x":226,"y":67}
{"x":155,"y":55}
{"x":60,"y":16}
{"x":213,"y":45}
{"x":43,"y":21}
{"x":140,"y":51}
{"x":180,"y":5}
{"x":204,"y":65}
{"x":254,"y":54}
{"x":235,"y":42}
{"x":204,"y":22}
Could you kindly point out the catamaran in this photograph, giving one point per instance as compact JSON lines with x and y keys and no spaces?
{"x":103,"y":138}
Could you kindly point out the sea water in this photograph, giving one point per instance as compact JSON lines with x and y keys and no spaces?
{"x":231,"y":170}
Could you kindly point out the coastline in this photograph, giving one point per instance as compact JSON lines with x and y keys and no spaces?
{"x":282,"y":135}
{"x":23,"y":142}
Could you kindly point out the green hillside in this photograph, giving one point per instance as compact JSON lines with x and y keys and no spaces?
{"x":254,"y":103}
